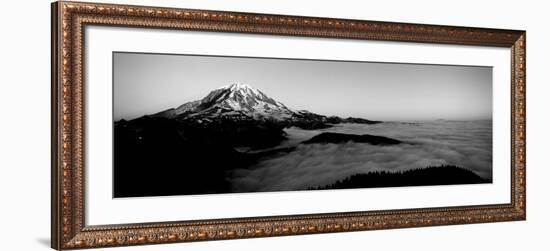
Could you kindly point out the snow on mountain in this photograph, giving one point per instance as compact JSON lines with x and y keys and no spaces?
{"x":236,"y":100}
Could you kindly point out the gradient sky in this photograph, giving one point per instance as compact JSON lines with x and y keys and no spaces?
{"x":149,"y":83}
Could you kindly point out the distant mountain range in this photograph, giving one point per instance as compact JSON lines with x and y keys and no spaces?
{"x":239,"y":102}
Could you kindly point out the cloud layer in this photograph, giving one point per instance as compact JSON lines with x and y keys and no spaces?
{"x":464,"y":143}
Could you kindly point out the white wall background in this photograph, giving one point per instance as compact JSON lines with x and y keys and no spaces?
{"x":25,"y":124}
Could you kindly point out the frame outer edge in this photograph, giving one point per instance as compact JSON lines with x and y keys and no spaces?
{"x":56,"y":225}
{"x":519,"y":123}
{"x":523,"y":39}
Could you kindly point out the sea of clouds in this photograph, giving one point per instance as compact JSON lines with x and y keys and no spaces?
{"x":463,"y":143}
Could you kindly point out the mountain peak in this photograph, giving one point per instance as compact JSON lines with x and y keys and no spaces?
{"x":239,"y":85}
{"x":242,"y":88}
{"x":237,"y":98}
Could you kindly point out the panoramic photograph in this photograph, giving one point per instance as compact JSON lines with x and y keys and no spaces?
{"x":197,"y":124}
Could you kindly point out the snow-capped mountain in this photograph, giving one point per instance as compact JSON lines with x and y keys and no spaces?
{"x":241,"y":102}
{"x":235,"y":100}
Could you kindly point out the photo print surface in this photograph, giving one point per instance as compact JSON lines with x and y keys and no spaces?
{"x":192,"y":124}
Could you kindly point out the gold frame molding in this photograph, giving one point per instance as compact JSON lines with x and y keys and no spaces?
{"x":68,"y":226}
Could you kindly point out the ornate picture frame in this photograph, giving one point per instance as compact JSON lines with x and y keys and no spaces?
{"x":69,"y":230}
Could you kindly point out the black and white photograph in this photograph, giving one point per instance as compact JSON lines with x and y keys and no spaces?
{"x":203,"y":124}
